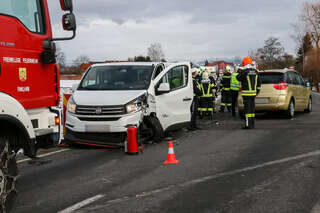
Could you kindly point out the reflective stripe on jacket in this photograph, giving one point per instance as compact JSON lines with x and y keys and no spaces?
{"x":250,"y":82}
{"x":209,"y":87}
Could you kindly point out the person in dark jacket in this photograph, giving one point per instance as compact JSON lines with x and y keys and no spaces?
{"x":195,"y":103}
{"x":225,"y":90}
{"x":251,"y":85}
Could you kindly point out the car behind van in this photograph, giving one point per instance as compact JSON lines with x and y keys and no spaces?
{"x":282,"y":90}
{"x":110,"y":97}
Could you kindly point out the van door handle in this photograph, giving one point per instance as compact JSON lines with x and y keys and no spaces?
{"x":187,"y":99}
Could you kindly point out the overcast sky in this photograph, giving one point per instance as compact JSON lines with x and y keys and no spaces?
{"x":186,"y":29}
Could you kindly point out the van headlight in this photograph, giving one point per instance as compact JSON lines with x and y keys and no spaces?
{"x":71,"y":105}
{"x":133,"y":106}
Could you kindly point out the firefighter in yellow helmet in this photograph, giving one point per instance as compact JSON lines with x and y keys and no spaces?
{"x":225,"y":90}
{"x":207,"y":98}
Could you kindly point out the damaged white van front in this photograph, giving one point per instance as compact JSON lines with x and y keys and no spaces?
{"x":111,"y":97}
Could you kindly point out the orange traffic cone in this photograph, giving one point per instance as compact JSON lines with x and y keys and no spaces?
{"x":171,"y":158}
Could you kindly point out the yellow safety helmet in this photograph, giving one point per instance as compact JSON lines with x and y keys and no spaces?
{"x":205,"y":75}
{"x":228,"y":68}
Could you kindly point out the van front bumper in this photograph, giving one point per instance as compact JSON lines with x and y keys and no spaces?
{"x":99,"y":129}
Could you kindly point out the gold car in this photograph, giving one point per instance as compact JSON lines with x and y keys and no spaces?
{"x":281,"y":90}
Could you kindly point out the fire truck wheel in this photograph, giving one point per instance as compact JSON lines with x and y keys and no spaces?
{"x":8,"y":175}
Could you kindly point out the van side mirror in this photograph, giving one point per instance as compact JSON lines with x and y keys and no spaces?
{"x":163,"y":88}
{"x":66,"y":5}
{"x":69,"y":22}
{"x":74,"y":87}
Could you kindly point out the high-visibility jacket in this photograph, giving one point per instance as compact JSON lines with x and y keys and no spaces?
{"x":235,"y":84}
{"x":207,"y":89}
{"x":250,"y":82}
{"x":225,"y":82}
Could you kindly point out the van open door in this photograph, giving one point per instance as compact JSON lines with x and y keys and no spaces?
{"x":173,"y":95}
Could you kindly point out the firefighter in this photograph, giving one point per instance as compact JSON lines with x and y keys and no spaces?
{"x":207,"y":98}
{"x":251,"y":85}
{"x":195,"y":103}
{"x":234,"y":87}
{"x":225,"y":93}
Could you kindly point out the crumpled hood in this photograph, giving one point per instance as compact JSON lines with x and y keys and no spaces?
{"x":110,"y":97}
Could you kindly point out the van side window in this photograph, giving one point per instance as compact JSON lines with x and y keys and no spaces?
{"x":177,"y":77}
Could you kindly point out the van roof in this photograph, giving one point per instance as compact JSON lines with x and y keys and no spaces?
{"x":127,"y":64}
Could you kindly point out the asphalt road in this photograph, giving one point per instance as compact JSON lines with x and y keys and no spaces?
{"x":274,"y":168}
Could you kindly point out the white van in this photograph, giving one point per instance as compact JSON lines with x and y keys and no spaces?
{"x":110,"y":97}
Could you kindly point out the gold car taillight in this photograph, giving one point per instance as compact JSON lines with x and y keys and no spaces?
{"x":280,"y":86}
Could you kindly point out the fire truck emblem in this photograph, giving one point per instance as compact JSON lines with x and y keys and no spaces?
{"x":22,"y":74}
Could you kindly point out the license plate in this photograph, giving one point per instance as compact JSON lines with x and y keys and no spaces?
{"x":97,"y":128}
{"x":261,"y":100}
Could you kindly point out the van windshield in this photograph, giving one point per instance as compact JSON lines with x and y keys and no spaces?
{"x":271,"y":78}
{"x":117,"y":78}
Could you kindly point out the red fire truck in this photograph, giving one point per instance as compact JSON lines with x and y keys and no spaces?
{"x":29,"y":85}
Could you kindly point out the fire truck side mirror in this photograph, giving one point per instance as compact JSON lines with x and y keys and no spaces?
{"x":66,"y":5}
{"x":69,"y":22}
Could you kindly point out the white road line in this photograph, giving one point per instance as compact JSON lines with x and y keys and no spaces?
{"x":207,"y":178}
{"x":43,"y":155}
{"x":81,"y":204}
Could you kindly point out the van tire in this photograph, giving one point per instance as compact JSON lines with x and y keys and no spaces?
{"x":290,"y":112}
{"x":157,"y":133}
{"x":309,"y":107}
{"x":8,"y":174}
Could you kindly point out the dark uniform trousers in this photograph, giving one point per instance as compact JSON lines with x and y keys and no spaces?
{"x":249,"y":109}
{"x":234,"y":95}
{"x":225,"y":100}
{"x":194,"y":111}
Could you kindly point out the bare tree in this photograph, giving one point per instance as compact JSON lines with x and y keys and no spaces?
{"x":60,"y":57}
{"x":82,"y":59}
{"x":310,"y":17}
{"x":155,"y":52}
{"x":271,"y":52}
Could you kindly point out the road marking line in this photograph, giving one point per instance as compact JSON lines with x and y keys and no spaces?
{"x":207,"y":178}
{"x":44,"y":155}
{"x":81,"y":204}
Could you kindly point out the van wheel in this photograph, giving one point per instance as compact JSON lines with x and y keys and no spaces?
{"x":8,"y":175}
{"x":157,"y":133}
{"x":290,"y":112}
{"x":309,"y":108}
